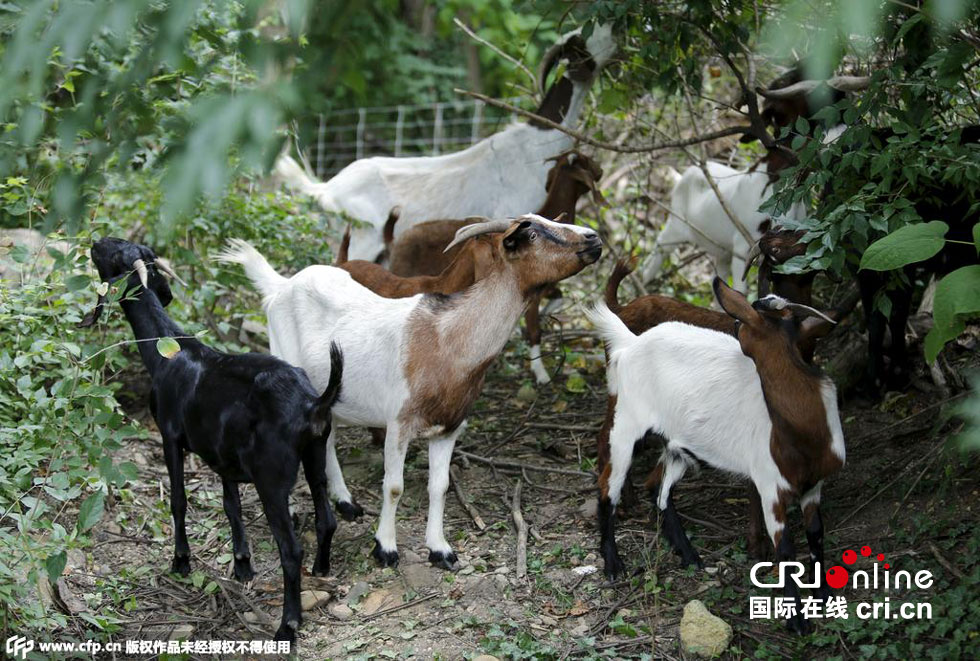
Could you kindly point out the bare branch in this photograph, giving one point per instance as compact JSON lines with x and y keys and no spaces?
{"x":520,"y":65}
{"x":584,"y":139}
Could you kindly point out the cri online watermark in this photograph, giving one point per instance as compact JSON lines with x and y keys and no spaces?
{"x":18,"y":647}
{"x":837,"y":578}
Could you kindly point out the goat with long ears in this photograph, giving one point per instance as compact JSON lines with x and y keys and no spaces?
{"x":250,"y":417}
{"x":418,"y":363}
{"x":749,"y":405}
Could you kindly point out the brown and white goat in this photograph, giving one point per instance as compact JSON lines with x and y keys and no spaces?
{"x":413,"y":365}
{"x":650,"y":310}
{"x":420,"y":262}
{"x":749,"y":405}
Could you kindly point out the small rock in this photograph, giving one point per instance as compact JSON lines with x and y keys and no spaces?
{"x":548,"y":621}
{"x":112,"y":527}
{"x":588,"y":509}
{"x":581,"y":627}
{"x":485,"y":657}
{"x":501,"y":570}
{"x":310,"y":599}
{"x":410,"y":557}
{"x":357,"y":591}
{"x":309,"y":539}
{"x":182,"y":632}
{"x":341,"y":611}
{"x":501,"y":581}
{"x":251,"y":617}
{"x":702,"y":633}
{"x":376,"y":600}
{"x":590,"y":559}
{"x":527,"y":393}
{"x":467,"y":570}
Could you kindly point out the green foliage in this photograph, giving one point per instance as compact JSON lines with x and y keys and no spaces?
{"x":59,"y":427}
{"x":957,"y":299}
{"x":969,"y":410}
{"x":906,"y":245}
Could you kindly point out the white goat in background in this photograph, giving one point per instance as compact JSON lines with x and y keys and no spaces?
{"x":696,"y":216}
{"x":500,"y":176}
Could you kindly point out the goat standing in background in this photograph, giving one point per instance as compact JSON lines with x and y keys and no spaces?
{"x":420,"y":253}
{"x":696,"y":216}
{"x":250,"y":417}
{"x":750,"y":406}
{"x":418,"y":363}
{"x":500,"y":176}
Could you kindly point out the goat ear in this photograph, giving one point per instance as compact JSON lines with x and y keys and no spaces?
{"x":516,"y":236}
{"x":734,"y":303}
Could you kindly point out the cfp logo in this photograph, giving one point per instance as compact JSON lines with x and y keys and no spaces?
{"x":19,"y":645}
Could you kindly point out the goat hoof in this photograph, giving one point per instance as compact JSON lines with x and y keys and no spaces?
{"x":349,"y":511}
{"x":286,"y":632}
{"x":799,"y":625}
{"x":614,"y":568}
{"x":443,"y":560}
{"x":321,"y":568}
{"x":384,"y":558}
{"x":694,"y":561}
{"x":243,"y":571}
{"x":181,"y":565}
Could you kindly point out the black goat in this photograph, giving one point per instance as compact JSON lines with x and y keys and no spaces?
{"x":251,"y":417}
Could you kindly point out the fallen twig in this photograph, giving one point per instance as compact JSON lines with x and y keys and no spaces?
{"x":513,"y":464}
{"x":464,"y":501}
{"x":947,"y":565}
{"x":519,"y":522}
{"x":395,"y":609}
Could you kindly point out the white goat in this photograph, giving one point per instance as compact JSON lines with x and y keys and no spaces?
{"x":750,"y":406}
{"x":500,"y":176}
{"x":697,"y":217}
{"x":413,"y":365}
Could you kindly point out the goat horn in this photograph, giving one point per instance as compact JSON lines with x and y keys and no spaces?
{"x":806,"y":309}
{"x":469,"y":231}
{"x":140,"y":267}
{"x":164,"y":266}
{"x":754,"y":254}
{"x":586,"y":178}
{"x":839,"y":83}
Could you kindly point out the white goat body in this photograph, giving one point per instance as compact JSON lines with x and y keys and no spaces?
{"x":501,"y":176}
{"x":696,"y":216}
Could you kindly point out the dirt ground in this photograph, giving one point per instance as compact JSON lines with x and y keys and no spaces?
{"x":898,"y":473}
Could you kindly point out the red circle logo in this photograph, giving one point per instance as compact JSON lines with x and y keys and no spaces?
{"x":865,"y":551}
{"x":836,"y":577}
{"x":849,"y":557}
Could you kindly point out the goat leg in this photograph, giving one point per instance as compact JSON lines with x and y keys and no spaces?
{"x":243,"y":571}
{"x":814,"y":539}
{"x":275,"y":503}
{"x":314,"y":466}
{"x":782,"y":540}
{"x":174,"y":456}
{"x":758,"y":541}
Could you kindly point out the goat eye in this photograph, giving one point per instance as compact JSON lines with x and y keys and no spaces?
{"x":531,"y":235}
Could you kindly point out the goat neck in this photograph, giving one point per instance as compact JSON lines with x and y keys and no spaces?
{"x":149,"y":321}
{"x":562,"y":198}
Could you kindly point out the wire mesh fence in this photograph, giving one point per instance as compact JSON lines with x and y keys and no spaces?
{"x":343,"y":136}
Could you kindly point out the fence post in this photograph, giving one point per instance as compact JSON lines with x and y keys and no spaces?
{"x":437,"y":130}
{"x":320,"y":146}
{"x":399,"y":127}
{"x":361,"y":120}
{"x":477,"y":120}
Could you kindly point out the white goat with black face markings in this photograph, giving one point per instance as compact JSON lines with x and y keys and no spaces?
{"x":750,"y":406}
{"x":500,"y":176}
{"x":414,"y":365}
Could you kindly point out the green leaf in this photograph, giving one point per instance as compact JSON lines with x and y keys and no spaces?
{"x":168,"y":347}
{"x":906,"y":245}
{"x":91,"y":511}
{"x":576,"y":383}
{"x":957,"y":298}
{"x":77,"y":282}
{"x":55,"y":564}
{"x":976,"y":237}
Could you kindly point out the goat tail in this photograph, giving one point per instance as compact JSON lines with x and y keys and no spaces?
{"x":389,"y":229}
{"x":611,"y":328}
{"x":292,"y":174}
{"x":623,"y":268}
{"x":258,"y":270}
{"x":320,"y":413}
{"x":344,"y":247}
